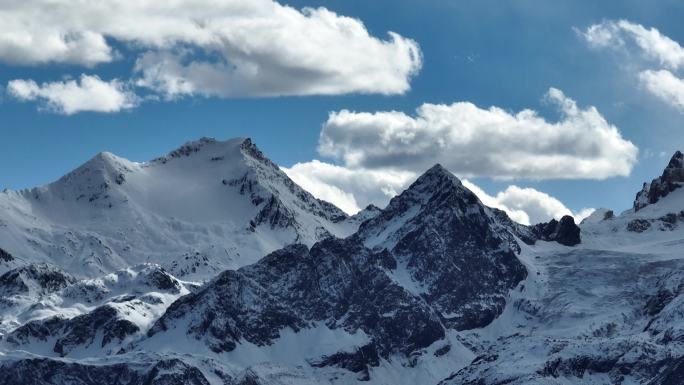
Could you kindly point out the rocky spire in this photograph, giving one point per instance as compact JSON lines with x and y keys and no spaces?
{"x":671,"y":179}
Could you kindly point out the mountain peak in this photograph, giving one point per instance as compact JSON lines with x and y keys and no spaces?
{"x":101,"y":171}
{"x":677,"y":160}
{"x":103,"y":159}
{"x":201,"y":145}
{"x":216,"y":150}
{"x":671,"y":179}
{"x":675,"y":168}
{"x":436,"y":193}
{"x":440,"y":172}
{"x":435,"y":179}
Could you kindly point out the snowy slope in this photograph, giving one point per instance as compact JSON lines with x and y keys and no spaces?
{"x":436,"y":288}
{"x":48,"y":312}
{"x":204,"y":207}
{"x":607,"y":311}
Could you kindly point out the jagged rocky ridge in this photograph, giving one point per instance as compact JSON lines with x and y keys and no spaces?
{"x":205,"y":207}
{"x":435,"y":288}
{"x":54,"y":372}
{"x":389,"y":281}
{"x":449,"y":247}
{"x":565,"y":231}
{"x":606,"y":312}
{"x":671,"y":179}
{"x":385,"y":282}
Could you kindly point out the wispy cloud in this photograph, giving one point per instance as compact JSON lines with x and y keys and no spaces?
{"x":651,"y":45}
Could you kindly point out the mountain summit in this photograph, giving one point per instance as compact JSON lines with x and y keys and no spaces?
{"x":671,"y":179}
{"x":248,"y":279}
{"x":204,"y":207}
{"x":449,"y":248}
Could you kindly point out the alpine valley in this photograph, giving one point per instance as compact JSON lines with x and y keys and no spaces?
{"x":210,"y":266}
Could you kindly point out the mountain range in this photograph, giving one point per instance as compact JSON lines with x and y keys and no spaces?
{"x":210,"y":266}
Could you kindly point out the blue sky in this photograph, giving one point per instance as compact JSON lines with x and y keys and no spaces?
{"x":490,"y":53}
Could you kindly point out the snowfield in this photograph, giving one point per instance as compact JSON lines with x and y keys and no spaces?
{"x":203,"y":208}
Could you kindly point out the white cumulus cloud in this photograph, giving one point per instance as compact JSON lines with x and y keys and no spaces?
{"x":527,"y":205}
{"x":89,"y":93}
{"x":665,"y":85}
{"x":472,"y":141}
{"x":213,"y":47}
{"x":653,"y":46}
{"x":353,"y":189}
{"x":622,"y":34}
{"x":349,"y":189}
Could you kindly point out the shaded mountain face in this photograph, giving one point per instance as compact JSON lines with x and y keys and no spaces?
{"x":433,"y":261}
{"x":53,"y":372}
{"x":449,"y":248}
{"x":338,"y":283}
{"x":434,"y":288}
{"x":204,"y":207}
{"x":671,"y":179}
{"x":33,"y":279}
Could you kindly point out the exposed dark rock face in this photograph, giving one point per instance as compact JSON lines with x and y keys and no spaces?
{"x":39,"y":277}
{"x":358,"y":361}
{"x":174,"y":372}
{"x":565,"y":231}
{"x":232,"y":307}
{"x":657,"y":303}
{"x":305,"y":199}
{"x":435,"y":258}
{"x":524,"y":233}
{"x":578,"y":366}
{"x":671,"y":179}
{"x":187,"y":149}
{"x":667,"y":222}
{"x":82,"y":330}
{"x":46,"y":371}
{"x":5,"y":256}
{"x":338,"y":282}
{"x":36,"y":330}
{"x":454,"y":248}
{"x":673,"y":374}
{"x":275,"y":214}
{"x":638,"y":225}
{"x":371,"y":211}
{"x":160,"y":279}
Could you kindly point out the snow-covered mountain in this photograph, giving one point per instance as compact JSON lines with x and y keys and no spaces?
{"x":203,"y":208}
{"x":435,"y":288}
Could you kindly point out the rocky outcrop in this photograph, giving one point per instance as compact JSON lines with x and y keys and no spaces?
{"x":599,"y":215}
{"x":454,"y":250}
{"x":435,"y":259}
{"x":337,"y":282}
{"x":671,"y":179}
{"x":565,"y":231}
{"x":5,"y":256}
{"x":40,"y":278}
{"x":47,"y":371}
{"x":101,"y":326}
{"x":359,"y":361}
